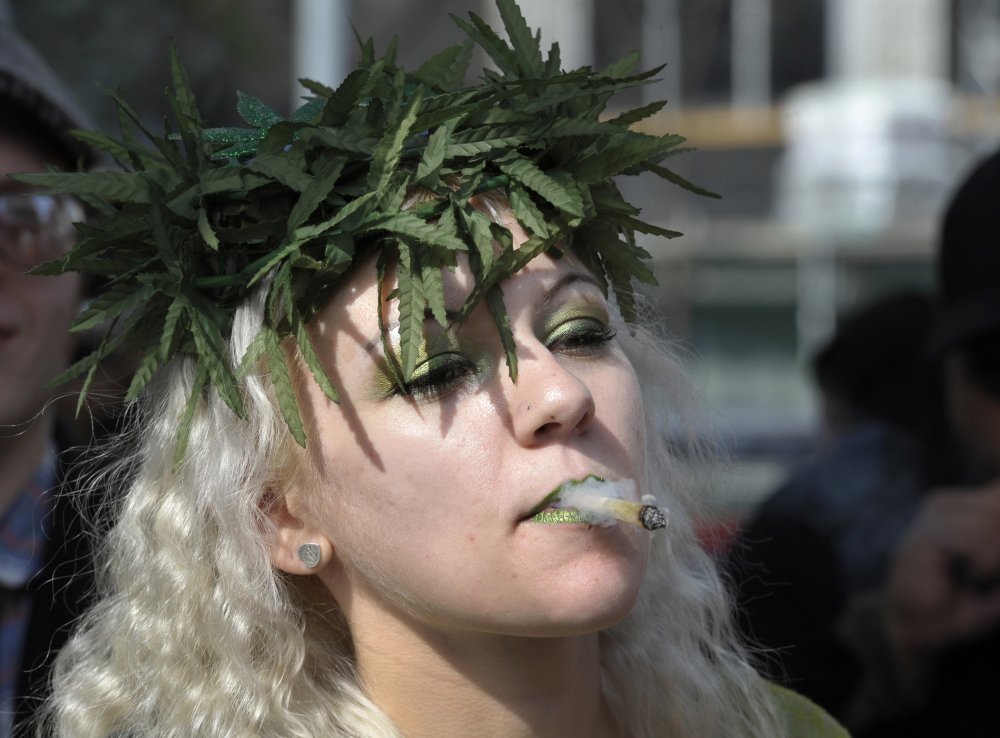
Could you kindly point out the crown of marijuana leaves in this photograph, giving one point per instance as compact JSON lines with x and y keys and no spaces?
{"x":198,"y":217}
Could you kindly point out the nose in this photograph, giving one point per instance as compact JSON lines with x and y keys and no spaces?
{"x":550,"y":402}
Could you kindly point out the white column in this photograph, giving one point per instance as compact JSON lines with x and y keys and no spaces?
{"x":661,"y":44}
{"x":321,"y":44}
{"x":751,"y":53}
{"x":978,"y":46}
{"x":888,"y":38}
{"x":568,"y":22}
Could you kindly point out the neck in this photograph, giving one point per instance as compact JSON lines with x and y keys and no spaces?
{"x":20,"y":455}
{"x":460,"y":683}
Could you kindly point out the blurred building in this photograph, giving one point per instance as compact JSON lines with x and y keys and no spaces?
{"x":834,"y":129}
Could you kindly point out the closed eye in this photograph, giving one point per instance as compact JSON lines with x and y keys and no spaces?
{"x":581,"y":337}
{"x":439,"y":376}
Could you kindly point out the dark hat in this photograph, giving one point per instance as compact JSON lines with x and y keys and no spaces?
{"x":968,"y":265}
{"x":28,"y":83}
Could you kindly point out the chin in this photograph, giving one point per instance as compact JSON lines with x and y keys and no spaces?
{"x":590,"y":609}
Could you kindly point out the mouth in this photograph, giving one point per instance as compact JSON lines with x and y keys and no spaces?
{"x":546,"y":510}
{"x":560,"y":515}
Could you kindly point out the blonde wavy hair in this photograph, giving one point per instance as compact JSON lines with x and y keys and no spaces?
{"x":196,"y":634}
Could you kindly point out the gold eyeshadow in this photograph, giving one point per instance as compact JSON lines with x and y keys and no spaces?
{"x":563,"y":317}
{"x":438,"y":344}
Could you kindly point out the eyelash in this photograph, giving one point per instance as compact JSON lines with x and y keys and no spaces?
{"x":441,"y":379}
{"x":591,"y":338}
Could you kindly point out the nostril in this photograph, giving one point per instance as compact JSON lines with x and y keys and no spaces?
{"x":547,"y":428}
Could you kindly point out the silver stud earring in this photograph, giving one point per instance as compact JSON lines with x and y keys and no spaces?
{"x":310,"y":554}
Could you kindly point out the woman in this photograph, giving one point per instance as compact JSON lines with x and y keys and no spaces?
{"x":411,"y":284}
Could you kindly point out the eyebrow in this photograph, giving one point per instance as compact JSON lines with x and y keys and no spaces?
{"x":376,"y":343}
{"x":568,"y":280}
{"x":565,"y":281}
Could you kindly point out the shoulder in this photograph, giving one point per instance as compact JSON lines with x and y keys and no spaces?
{"x":803,"y":718}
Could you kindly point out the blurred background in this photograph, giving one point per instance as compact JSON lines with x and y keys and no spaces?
{"x":833,"y":129}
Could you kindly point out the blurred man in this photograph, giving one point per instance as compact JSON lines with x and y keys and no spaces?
{"x":35,"y":346}
{"x":941,"y":605}
{"x":905,"y":642}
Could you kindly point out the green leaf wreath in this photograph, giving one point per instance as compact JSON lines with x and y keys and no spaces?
{"x":198,"y":217}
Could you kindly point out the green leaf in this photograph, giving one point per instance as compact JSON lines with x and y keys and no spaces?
{"x":343,"y":139}
{"x":407,"y":224}
{"x":100,"y":142}
{"x":525,"y":45}
{"x":205,"y":229}
{"x":497,"y":49}
{"x":411,"y":309}
{"x":118,"y":299}
{"x":283,"y":390}
{"x":433,"y":156}
{"x":259,"y":269}
{"x":109,"y":343}
{"x":636,"y":114}
{"x":446,"y":69}
{"x":477,"y":148}
{"x":348,"y":96}
{"x":624,"y":66}
{"x":643,"y":227}
{"x":390,"y":148}
{"x":278,"y":167}
{"x":114,"y":186}
{"x":212,"y":352}
{"x":171,"y":323}
{"x":526,"y":212}
{"x":553,"y":64}
{"x":494,"y":299}
{"x":636,"y":149}
{"x":677,"y":179}
{"x":187,"y":417}
{"x":230,"y":179}
{"x":528,"y":174}
{"x":255,"y":112}
{"x":309,"y":111}
{"x":185,"y":108}
{"x":304,"y":342}
{"x":127,"y":117}
{"x":329,"y":171}
{"x":391,"y":361}
{"x":81,"y":398}
{"x":254,"y":352}
{"x":432,"y":286}
{"x":143,"y":374}
{"x":477,"y":226}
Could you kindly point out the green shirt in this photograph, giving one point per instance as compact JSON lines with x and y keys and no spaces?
{"x":805,"y":719}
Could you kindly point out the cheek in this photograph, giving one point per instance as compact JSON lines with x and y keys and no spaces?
{"x":53,"y":305}
{"x":627,"y":419}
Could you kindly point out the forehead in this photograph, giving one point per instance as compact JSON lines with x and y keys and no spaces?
{"x":355,"y":302}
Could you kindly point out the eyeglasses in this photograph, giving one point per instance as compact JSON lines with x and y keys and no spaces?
{"x":36,"y":228}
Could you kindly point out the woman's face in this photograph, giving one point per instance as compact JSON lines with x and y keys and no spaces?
{"x":424,"y":495}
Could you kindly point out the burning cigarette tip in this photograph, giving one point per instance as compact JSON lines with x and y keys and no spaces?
{"x":652,"y":517}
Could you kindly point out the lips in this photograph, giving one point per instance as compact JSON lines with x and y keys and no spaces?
{"x":560,"y":515}
{"x":545,"y":512}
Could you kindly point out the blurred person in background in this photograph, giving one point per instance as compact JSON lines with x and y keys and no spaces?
{"x":39,"y":540}
{"x":827,"y":533}
{"x":929,"y":639}
{"x":904,"y":641}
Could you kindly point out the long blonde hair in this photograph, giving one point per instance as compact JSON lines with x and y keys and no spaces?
{"x":196,"y":634}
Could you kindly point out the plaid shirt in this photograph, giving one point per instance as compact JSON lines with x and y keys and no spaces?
{"x":23,"y":529}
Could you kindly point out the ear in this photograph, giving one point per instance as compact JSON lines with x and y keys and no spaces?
{"x":290,"y":532}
